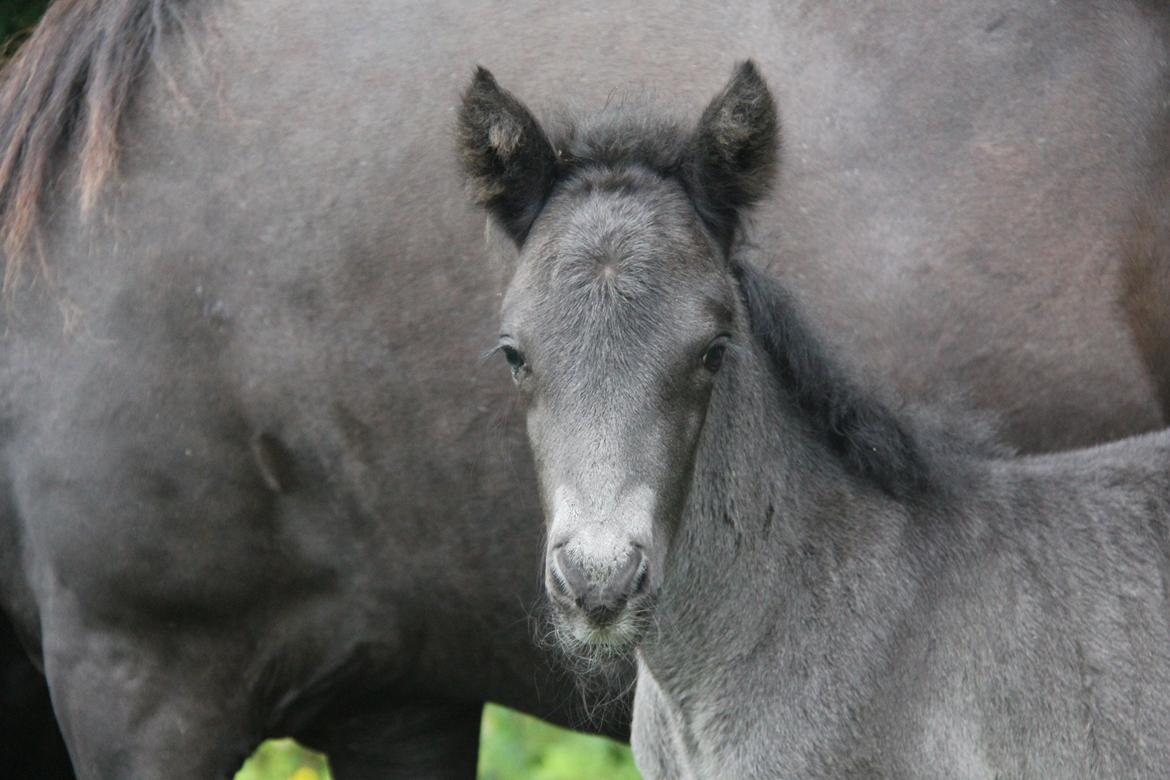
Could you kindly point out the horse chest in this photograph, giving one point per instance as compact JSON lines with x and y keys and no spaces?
{"x":718,"y":729}
{"x":712,"y":731}
{"x":662,"y":741}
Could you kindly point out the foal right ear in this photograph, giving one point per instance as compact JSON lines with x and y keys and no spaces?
{"x":505,"y":154}
{"x":733,"y":152}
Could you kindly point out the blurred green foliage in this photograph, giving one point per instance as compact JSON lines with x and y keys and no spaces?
{"x":512,"y":746}
{"x":283,"y":759}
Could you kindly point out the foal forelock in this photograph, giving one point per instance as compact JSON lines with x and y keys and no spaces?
{"x":607,"y":268}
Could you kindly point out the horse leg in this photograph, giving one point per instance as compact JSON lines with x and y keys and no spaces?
{"x":148,"y":703}
{"x":404,"y":741}
{"x":30,"y":741}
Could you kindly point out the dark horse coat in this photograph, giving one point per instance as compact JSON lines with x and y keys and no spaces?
{"x":255,"y":479}
{"x":818,"y":582}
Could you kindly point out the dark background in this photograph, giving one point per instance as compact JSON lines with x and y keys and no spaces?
{"x":16,"y":17}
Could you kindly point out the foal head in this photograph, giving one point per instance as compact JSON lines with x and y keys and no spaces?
{"x":620,"y":314}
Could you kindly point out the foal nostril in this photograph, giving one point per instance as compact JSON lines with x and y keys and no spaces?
{"x":600,"y":601}
{"x":641,"y":577}
{"x":629,"y":578}
{"x":568,"y":577}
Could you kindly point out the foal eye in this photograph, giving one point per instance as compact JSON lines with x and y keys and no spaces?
{"x":515,"y":359}
{"x":713,"y":357}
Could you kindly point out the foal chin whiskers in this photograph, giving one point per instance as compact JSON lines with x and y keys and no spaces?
{"x":604,"y":676}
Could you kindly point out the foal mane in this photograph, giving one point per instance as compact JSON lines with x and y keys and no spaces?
{"x":72,"y":78}
{"x":904,"y":451}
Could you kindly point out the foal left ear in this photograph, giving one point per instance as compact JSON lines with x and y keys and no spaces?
{"x":505,"y":154}
{"x":732,"y":155}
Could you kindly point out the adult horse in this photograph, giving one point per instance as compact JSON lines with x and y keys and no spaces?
{"x":818,"y":583}
{"x":256,"y":480}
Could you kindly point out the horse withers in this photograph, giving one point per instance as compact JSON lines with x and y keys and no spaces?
{"x":817,"y":580}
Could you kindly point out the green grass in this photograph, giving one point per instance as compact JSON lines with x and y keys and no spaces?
{"x":511,"y":747}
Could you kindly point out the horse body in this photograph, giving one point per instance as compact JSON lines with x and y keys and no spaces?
{"x":256,"y":480}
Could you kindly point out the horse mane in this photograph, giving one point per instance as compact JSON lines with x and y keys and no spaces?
{"x":70,"y":80}
{"x":902,"y":450}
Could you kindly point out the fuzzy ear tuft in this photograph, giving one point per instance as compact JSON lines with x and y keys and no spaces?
{"x":732,"y":155}
{"x":506,"y":155}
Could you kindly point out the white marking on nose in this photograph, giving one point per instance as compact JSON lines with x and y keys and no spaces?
{"x":636,"y":511}
{"x":598,"y":534}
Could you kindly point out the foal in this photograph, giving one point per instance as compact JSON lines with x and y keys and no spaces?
{"x":816,"y":581}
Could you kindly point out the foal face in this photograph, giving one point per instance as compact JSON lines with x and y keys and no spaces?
{"x":615,"y":326}
{"x":619,"y":317}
